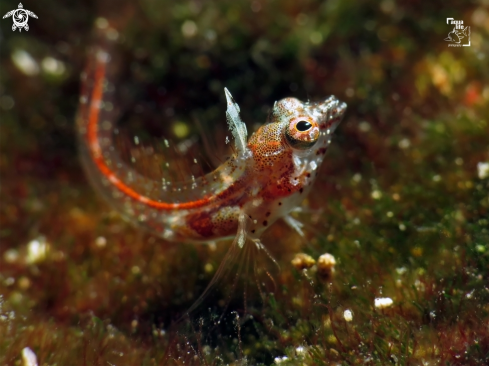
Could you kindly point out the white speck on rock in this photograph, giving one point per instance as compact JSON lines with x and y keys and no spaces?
{"x":28,"y":357}
{"x":37,"y":250}
{"x":483,"y":170}
{"x":383,"y":302}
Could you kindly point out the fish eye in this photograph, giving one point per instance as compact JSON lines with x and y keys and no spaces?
{"x":302,"y":133}
{"x":303,"y":126}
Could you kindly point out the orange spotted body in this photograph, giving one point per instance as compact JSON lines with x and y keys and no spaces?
{"x":264,"y":180}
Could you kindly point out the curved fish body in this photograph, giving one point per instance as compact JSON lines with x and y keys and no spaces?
{"x":268,"y":175}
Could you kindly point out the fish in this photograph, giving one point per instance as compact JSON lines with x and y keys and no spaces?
{"x":456,"y":36}
{"x":267,"y":176}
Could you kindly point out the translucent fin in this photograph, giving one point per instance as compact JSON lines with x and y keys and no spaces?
{"x":242,"y":263}
{"x":260,"y":246}
{"x":227,"y":266}
{"x":294,"y":224}
{"x":236,"y":125}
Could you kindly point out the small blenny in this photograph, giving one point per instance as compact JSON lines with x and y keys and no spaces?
{"x":267,"y":176}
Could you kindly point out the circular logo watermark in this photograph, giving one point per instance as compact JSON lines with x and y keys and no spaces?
{"x":20,"y":17}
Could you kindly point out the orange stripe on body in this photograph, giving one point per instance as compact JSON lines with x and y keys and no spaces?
{"x":96,"y":154}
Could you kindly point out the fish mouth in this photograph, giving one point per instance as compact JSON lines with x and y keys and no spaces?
{"x":336,"y":108}
{"x":331,"y":111}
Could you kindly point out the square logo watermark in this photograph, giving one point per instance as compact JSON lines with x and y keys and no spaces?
{"x":460,"y":35}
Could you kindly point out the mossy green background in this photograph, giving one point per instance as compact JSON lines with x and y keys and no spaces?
{"x":398,"y":201}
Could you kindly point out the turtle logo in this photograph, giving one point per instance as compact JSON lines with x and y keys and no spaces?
{"x":20,"y":17}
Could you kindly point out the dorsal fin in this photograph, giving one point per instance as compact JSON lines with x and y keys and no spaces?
{"x":236,"y":125}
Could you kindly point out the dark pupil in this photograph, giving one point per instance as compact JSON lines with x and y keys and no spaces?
{"x":303,"y":126}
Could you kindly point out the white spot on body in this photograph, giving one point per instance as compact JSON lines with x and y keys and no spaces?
{"x":257,"y":202}
{"x":142,"y":217}
{"x":113,"y":179}
{"x":255,"y":190}
{"x":176,"y":219}
{"x":297,"y":163}
{"x":143,"y":199}
{"x":226,"y":178}
{"x":241,"y":238}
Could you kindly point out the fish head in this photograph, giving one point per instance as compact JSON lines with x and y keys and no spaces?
{"x":295,"y":140}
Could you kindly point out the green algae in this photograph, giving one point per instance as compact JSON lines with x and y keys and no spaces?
{"x":398,"y":202}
